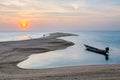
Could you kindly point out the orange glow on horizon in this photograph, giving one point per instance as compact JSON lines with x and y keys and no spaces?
{"x":24,"y":25}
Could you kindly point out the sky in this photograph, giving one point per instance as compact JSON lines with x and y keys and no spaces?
{"x":60,"y":14}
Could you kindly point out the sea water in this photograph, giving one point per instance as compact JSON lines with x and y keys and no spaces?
{"x":75,"y":55}
{"x":20,"y":35}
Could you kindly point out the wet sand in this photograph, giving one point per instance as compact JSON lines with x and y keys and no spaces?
{"x":13,"y":52}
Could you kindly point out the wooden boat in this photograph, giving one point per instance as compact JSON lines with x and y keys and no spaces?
{"x":96,"y":50}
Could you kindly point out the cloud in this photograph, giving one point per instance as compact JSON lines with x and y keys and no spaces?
{"x":95,"y":7}
{"x":75,"y":10}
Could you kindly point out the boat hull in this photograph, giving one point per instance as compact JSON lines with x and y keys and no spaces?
{"x":96,"y":50}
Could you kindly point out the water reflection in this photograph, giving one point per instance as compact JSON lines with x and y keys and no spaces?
{"x":72,"y":56}
{"x":106,"y":57}
{"x":24,"y":37}
{"x":69,"y":57}
{"x":20,"y":35}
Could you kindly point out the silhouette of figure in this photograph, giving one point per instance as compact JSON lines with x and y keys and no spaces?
{"x":44,"y":35}
{"x":107,"y":49}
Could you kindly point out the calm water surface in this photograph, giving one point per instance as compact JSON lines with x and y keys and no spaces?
{"x":72,"y":56}
{"x":77,"y":55}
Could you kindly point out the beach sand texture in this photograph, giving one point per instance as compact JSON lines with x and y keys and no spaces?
{"x":13,"y":52}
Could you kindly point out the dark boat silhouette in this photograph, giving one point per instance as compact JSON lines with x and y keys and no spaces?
{"x":99,"y":51}
{"x":96,"y":50}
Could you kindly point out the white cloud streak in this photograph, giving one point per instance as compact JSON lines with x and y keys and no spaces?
{"x":51,"y":9}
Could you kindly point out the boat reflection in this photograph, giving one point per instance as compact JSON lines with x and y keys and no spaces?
{"x":106,"y":57}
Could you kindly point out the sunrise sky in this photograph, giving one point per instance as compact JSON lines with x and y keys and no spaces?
{"x":60,"y":14}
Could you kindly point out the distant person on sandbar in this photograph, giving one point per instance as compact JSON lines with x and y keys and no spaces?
{"x":43,"y":35}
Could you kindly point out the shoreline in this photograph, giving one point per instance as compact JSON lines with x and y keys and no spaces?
{"x":85,"y":72}
{"x":13,"y":52}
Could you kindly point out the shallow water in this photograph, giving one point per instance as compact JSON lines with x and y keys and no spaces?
{"x":77,"y":55}
{"x":20,"y":35}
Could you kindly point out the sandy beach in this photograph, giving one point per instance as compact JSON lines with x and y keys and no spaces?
{"x":13,"y":52}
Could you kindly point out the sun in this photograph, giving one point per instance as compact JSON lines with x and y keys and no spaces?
{"x":24,"y":25}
